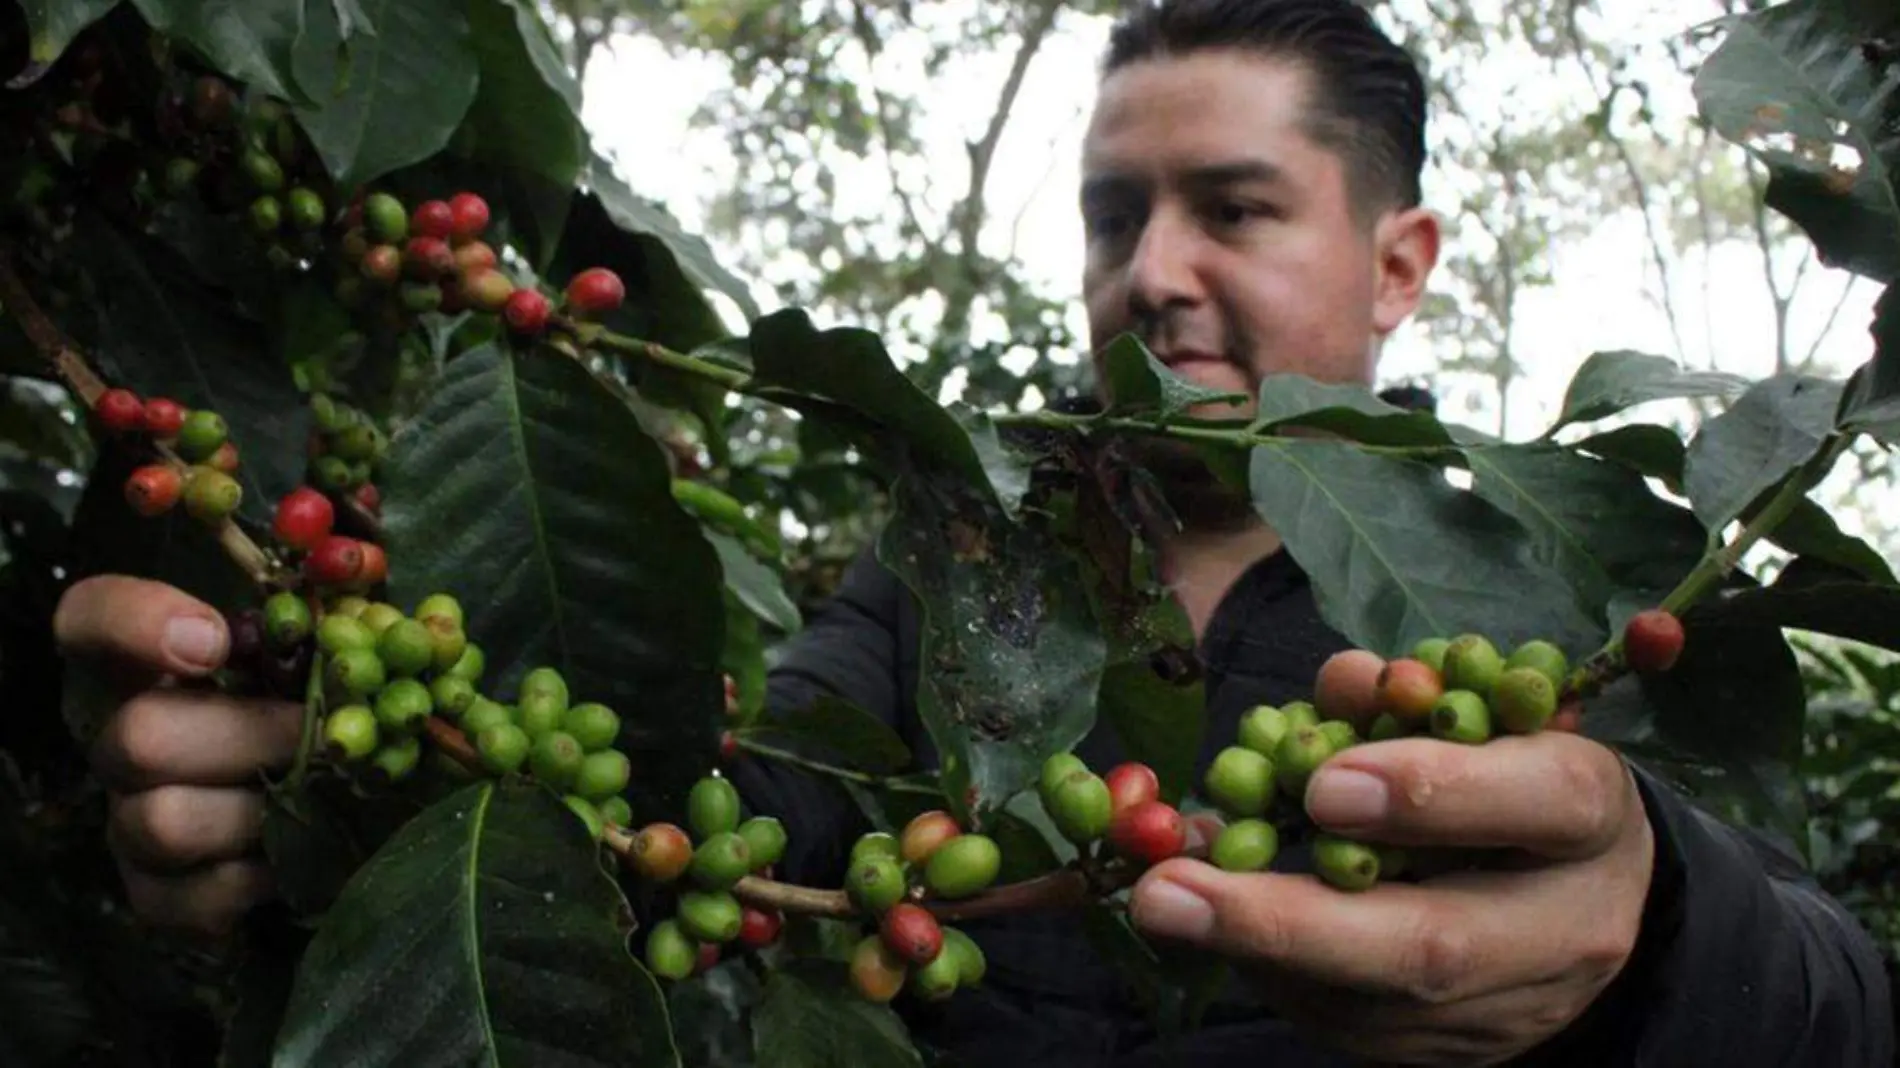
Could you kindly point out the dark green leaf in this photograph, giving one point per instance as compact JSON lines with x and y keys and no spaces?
{"x":664,"y":303}
{"x":693,"y":257}
{"x":1011,"y":651}
{"x":1609,"y":382}
{"x":161,"y":335}
{"x":250,"y":41}
{"x":1775,"y":428}
{"x":312,"y":853}
{"x":1871,"y":402}
{"x":1652,"y":451}
{"x":811,"y":1019}
{"x":1139,"y":383}
{"x":274,"y":944}
{"x":1396,"y":553}
{"x":850,"y":367}
{"x":52,"y":25}
{"x":1594,"y":522}
{"x":1352,"y":411}
{"x":485,"y":932}
{"x":757,"y":586}
{"x":1862,"y":612}
{"x":379,"y":103}
{"x":1810,"y":532}
{"x":527,"y":109}
{"x":529,"y":491}
{"x":1156,"y":721}
{"x":840,"y":730}
{"x":351,"y":19}
{"x":1796,"y":69}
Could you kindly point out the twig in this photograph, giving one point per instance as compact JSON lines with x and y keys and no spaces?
{"x":862,"y":778}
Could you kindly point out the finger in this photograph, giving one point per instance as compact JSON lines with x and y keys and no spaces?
{"x":171,"y":829}
{"x":209,"y":902}
{"x":164,"y":737}
{"x":1558,"y":795}
{"x":150,"y":624}
{"x":1464,"y":936}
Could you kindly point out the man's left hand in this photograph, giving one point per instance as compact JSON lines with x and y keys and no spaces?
{"x":1472,"y":967}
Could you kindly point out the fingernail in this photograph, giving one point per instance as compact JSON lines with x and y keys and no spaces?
{"x":195,"y":640}
{"x":1171,"y":910}
{"x":1340,"y":797}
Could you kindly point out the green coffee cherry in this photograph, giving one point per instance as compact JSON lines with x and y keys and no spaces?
{"x":421,"y":297}
{"x":441,"y":604}
{"x":204,"y":432}
{"x":555,"y":759}
{"x":765,"y":838}
{"x":603,"y":774}
{"x":470,"y":664}
{"x":350,"y":605}
{"x":266,"y":215}
{"x":970,"y":961}
{"x":541,"y":713}
{"x":403,"y":706}
{"x":1056,"y":770}
{"x":1345,"y":864}
{"x":355,"y":674}
{"x":712,"y":807}
{"x":937,"y":980}
{"x":1472,"y":663}
{"x":1340,"y":734}
{"x":349,"y":732}
{"x":357,"y":442}
{"x":482,"y":714}
{"x":580,"y":806}
{"x":306,"y":209}
{"x":181,"y":173}
{"x":396,"y":759}
{"x":503,"y":748}
{"x":710,"y":916}
{"x":616,"y":811}
{"x":962,"y":866}
{"x":720,"y":861}
{"x":1523,"y":700}
{"x":447,"y":640}
{"x":330,"y":473}
{"x":1262,"y":728}
{"x":670,"y":953}
{"x":1544,"y":656}
{"x":1385,"y":728}
{"x":452,"y":696}
{"x":545,"y":680}
{"x":1300,"y":714}
{"x":1240,"y":781}
{"x":338,"y":633}
{"x":385,"y":218}
{"x":875,"y":883}
{"x":210,"y":494}
{"x":405,"y":648}
{"x":380,"y":616}
{"x":1462,"y":716}
{"x":876,"y":844}
{"x":1245,"y":846}
{"x":287,"y":620}
{"x":263,"y":171}
{"x":1300,"y":754}
{"x":592,"y":724}
{"x":1080,"y":807}
{"x":1431,"y":652}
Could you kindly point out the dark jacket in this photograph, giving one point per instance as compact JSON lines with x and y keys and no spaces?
{"x":1743,"y":962}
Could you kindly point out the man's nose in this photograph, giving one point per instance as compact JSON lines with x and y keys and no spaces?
{"x":1164,"y":274}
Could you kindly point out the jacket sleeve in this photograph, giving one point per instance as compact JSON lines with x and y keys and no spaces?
{"x":1742,"y":961}
{"x":848,"y":649}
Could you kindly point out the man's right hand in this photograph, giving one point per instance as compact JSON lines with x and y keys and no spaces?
{"x":182,"y":766}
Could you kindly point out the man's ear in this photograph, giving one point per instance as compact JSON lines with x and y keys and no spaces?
{"x":1406,"y":249}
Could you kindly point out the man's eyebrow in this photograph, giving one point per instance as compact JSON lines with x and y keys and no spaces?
{"x":1208,"y":176}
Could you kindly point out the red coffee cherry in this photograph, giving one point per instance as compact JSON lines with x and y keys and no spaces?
{"x":526,"y":311}
{"x":469,"y":217}
{"x":1652,"y":641}
{"x":335,"y":561}
{"x":164,"y":417}
{"x":595,"y":292}
{"x":120,"y":411}
{"x":433,"y":218}
{"x":1149,"y":832}
{"x":1131,"y":784}
{"x":154,"y":489}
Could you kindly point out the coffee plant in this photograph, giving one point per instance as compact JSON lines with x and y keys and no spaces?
{"x":371,"y":350}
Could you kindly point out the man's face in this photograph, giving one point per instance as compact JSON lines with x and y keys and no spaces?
{"x":1223,"y":235}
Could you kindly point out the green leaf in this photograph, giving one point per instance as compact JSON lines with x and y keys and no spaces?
{"x":1137,"y":382}
{"x":1796,"y":69}
{"x":839,"y":730}
{"x":757,"y":586}
{"x":162,"y":335}
{"x":1157,"y":722}
{"x":1871,"y":402}
{"x":849,"y":367}
{"x":52,"y":25}
{"x":1395,"y":553}
{"x":1777,"y":426}
{"x":1609,"y":382}
{"x":250,"y":40}
{"x":526,"y":112}
{"x":1352,"y":411}
{"x":1652,"y":451}
{"x":810,"y":1018}
{"x":530,"y":492}
{"x":351,"y":19}
{"x":485,"y":932}
{"x":1810,"y":532}
{"x":379,"y":103}
{"x":1594,"y":522}
{"x":1862,"y":612}
{"x":665,"y":303}
{"x":1014,"y":656}
{"x":635,"y":214}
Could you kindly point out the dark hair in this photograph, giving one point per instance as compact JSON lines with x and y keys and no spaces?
{"x":1368,"y":95}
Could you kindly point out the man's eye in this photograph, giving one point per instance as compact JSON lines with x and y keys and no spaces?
{"x":1109,"y":223}
{"x":1235,"y":212}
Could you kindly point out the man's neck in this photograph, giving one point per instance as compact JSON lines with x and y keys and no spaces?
{"x":1200,"y":566}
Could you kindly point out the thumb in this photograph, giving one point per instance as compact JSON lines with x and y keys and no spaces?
{"x":1186,"y":900}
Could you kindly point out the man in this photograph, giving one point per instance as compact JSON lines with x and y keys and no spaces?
{"x":1251,"y":200}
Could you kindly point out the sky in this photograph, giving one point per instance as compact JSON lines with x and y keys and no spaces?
{"x":1602,"y":298}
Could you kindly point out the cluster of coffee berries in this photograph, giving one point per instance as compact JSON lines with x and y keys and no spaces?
{"x":888,"y":879}
{"x":345,"y":451}
{"x":701,"y":863}
{"x":427,"y":260}
{"x":1123,"y":808}
{"x":199,"y":437}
